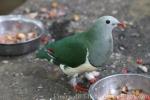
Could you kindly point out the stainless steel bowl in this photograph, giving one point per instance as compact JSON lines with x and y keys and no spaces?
{"x":114,"y":83}
{"x":18,"y":23}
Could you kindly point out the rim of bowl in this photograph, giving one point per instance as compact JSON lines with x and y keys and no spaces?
{"x":130,"y":74}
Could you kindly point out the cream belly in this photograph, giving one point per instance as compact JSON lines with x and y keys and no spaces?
{"x":80,"y":69}
{"x":85,"y":67}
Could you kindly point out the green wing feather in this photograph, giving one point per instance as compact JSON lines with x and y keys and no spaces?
{"x":70,"y":51}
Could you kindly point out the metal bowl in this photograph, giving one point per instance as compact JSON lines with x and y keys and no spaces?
{"x":114,"y":83}
{"x":18,"y":23}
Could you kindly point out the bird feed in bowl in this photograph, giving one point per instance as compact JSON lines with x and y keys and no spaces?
{"x":126,"y":94}
{"x":121,"y":87}
{"x":13,"y":38}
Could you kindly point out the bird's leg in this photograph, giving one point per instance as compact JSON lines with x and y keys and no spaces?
{"x":92,"y":77}
{"x":77,"y":86}
{"x":96,"y":74}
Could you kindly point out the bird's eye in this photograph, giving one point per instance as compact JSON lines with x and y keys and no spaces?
{"x":107,"y":21}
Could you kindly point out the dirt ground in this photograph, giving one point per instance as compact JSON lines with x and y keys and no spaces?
{"x":27,"y":78}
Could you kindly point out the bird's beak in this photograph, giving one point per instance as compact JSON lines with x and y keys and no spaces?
{"x":122,"y":25}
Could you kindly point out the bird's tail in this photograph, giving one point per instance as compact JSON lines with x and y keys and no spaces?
{"x":43,"y":54}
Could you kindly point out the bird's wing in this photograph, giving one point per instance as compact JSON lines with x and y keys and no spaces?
{"x":69,"y":52}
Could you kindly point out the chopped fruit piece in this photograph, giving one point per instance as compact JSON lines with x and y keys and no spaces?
{"x":110,"y":97}
{"x":124,"y":90}
{"x":2,"y":39}
{"x":76,"y":17}
{"x":44,"y":39}
{"x":54,"y":4}
{"x":31,"y":35}
{"x":139,"y":61}
{"x":137,"y":92}
{"x":53,"y":13}
{"x":21,"y":36}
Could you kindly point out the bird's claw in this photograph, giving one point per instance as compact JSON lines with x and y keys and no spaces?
{"x":92,"y":81}
{"x":78,"y":87}
{"x":92,"y":77}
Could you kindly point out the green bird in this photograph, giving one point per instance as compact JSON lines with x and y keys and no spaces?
{"x":83,"y":52}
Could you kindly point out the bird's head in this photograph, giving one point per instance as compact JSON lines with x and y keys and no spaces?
{"x":109,"y":22}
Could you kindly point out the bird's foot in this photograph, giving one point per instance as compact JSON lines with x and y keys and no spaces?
{"x":78,"y":87}
{"x":92,"y":77}
{"x":92,"y":81}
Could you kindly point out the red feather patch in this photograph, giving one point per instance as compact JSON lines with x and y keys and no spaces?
{"x":50,"y":50}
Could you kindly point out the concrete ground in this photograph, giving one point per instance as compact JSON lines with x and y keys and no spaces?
{"x":27,"y":78}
